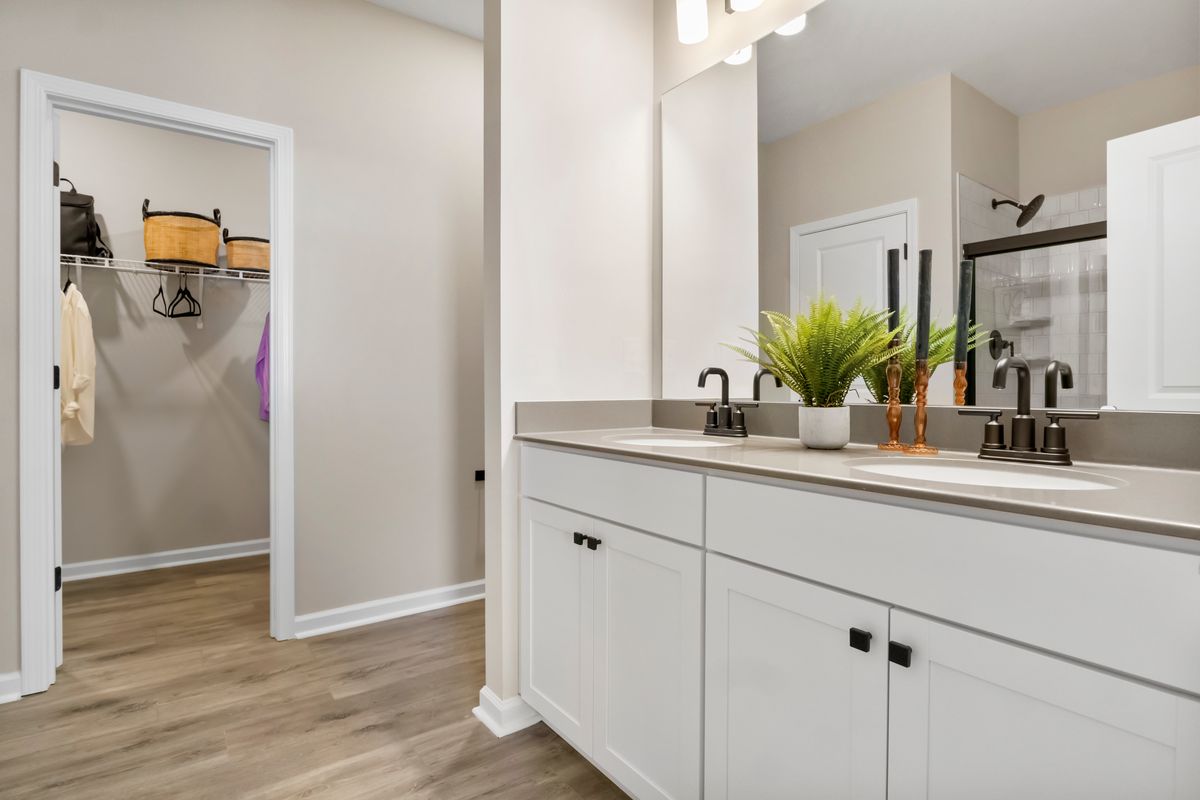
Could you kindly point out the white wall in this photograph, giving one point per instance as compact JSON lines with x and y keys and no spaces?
{"x":568,"y":232}
{"x":180,"y":457}
{"x":388,"y":120}
{"x":709,"y":228}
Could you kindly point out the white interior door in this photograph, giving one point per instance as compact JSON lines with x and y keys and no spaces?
{"x":1154,"y":268}
{"x":792,"y":709}
{"x":847,"y":260}
{"x":977,"y":717}
{"x":54,"y":271}
{"x":556,"y":620}
{"x":649,"y":659}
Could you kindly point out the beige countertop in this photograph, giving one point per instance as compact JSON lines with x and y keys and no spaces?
{"x":1160,"y":501}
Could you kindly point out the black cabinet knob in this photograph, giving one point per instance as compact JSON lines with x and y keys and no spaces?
{"x":579,"y":538}
{"x":592,"y":542}
{"x":900,"y":654}
{"x":860,"y":639}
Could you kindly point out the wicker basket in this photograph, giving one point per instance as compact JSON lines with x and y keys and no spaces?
{"x":247,"y":252}
{"x":181,"y":238}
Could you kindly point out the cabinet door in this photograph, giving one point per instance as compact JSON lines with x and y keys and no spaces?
{"x":791,"y":708}
{"x":556,"y":620}
{"x":982,"y":718}
{"x":649,"y":658}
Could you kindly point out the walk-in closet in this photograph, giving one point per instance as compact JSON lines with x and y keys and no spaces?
{"x":165,"y":270}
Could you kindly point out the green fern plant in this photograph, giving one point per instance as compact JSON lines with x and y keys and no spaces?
{"x":941,"y":350}
{"x":819,"y":355}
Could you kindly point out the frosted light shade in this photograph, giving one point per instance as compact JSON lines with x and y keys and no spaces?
{"x":744,"y":5}
{"x":741,"y":56}
{"x":691,"y":20}
{"x":793,"y":27}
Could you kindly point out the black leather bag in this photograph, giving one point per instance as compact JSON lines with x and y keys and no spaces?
{"x":78,"y":226}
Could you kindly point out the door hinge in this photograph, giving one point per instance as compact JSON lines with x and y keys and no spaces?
{"x":57,"y":578}
{"x":56,"y":376}
{"x":906,"y":251}
{"x":900,"y":654}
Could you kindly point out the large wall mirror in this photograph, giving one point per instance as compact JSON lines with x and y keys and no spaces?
{"x":1057,"y":144}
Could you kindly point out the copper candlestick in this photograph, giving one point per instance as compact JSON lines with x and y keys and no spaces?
{"x":894,"y":411}
{"x":960,"y":383}
{"x":919,"y":447}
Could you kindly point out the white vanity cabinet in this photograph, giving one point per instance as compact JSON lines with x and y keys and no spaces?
{"x":611,"y":626}
{"x":973,"y":716}
{"x":796,"y":688}
{"x":833,"y":645}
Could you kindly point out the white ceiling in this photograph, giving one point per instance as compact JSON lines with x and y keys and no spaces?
{"x":1026,"y":55}
{"x":461,"y":16}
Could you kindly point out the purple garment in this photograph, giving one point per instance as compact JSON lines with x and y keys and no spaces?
{"x":262,"y":371}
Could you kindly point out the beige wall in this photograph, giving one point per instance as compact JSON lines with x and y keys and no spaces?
{"x":710,"y":227}
{"x":180,"y":457}
{"x":674,"y":63}
{"x":1065,"y":148}
{"x":387,"y":114}
{"x":569,"y":175}
{"x":984,"y":139}
{"x":850,"y":163}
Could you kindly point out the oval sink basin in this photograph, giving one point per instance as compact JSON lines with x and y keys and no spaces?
{"x":676,"y":441}
{"x":983,"y":473}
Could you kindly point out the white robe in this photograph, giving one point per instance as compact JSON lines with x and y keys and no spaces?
{"x":78,"y":370}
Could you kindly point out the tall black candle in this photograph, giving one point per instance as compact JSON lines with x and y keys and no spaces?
{"x":924,"y":278}
{"x":893,"y":288}
{"x":966,"y":286}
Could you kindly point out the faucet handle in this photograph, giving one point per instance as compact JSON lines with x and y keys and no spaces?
{"x":993,"y":431}
{"x":711,"y":418}
{"x":993,"y":413}
{"x":1054,"y":436}
{"x":1055,"y":415}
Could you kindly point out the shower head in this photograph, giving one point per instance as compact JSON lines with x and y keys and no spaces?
{"x":1028,"y":210}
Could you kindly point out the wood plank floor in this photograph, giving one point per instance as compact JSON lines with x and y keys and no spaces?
{"x":172,"y":688}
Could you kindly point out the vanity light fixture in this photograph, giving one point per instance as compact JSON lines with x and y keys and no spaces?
{"x":734,"y":6}
{"x":793,"y":27}
{"x":691,"y":20}
{"x":740,"y":56}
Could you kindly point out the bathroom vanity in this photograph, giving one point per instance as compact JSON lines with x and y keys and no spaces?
{"x":755,"y":620}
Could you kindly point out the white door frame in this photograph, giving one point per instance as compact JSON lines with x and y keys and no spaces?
{"x":41,"y":96}
{"x":906,"y":207}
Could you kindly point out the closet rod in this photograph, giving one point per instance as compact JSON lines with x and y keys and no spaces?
{"x":145,"y":268}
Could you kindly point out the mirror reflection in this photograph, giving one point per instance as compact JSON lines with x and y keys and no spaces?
{"x":1033,"y":139}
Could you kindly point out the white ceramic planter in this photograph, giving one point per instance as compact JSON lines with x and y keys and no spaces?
{"x":825,"y":428}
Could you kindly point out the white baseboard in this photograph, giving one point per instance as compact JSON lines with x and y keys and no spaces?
{"x":503,"y":717}
{"x":337,"y":619}
{"x":167,"y":558}
{"x":10,"y":686}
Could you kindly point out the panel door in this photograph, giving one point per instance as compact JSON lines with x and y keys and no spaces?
{"x":982,"y":718}
{"x":556,"y":619}
{"x":848,"y":262}
{"x":1154,"y":268}
{"x":649,"y":660}
{"x":791,"y":708}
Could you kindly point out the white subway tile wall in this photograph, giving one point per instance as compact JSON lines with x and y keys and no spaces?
{"x":1051,"y":303}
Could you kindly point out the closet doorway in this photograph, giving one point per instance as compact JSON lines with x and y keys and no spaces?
{"x":180,"y":467}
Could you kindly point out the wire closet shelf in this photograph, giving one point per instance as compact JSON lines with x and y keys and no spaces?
{"x":148,"y":268}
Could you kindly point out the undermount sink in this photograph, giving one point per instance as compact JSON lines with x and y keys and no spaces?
{"x":980,"y":473}
{"x":650,"y":440}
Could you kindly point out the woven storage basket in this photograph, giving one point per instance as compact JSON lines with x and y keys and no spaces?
{"x":247,"y":252}
{"x":181,"y":238}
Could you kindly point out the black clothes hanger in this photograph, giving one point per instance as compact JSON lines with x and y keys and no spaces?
{"x":184,"y":295}
{"x":160,"y":299}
